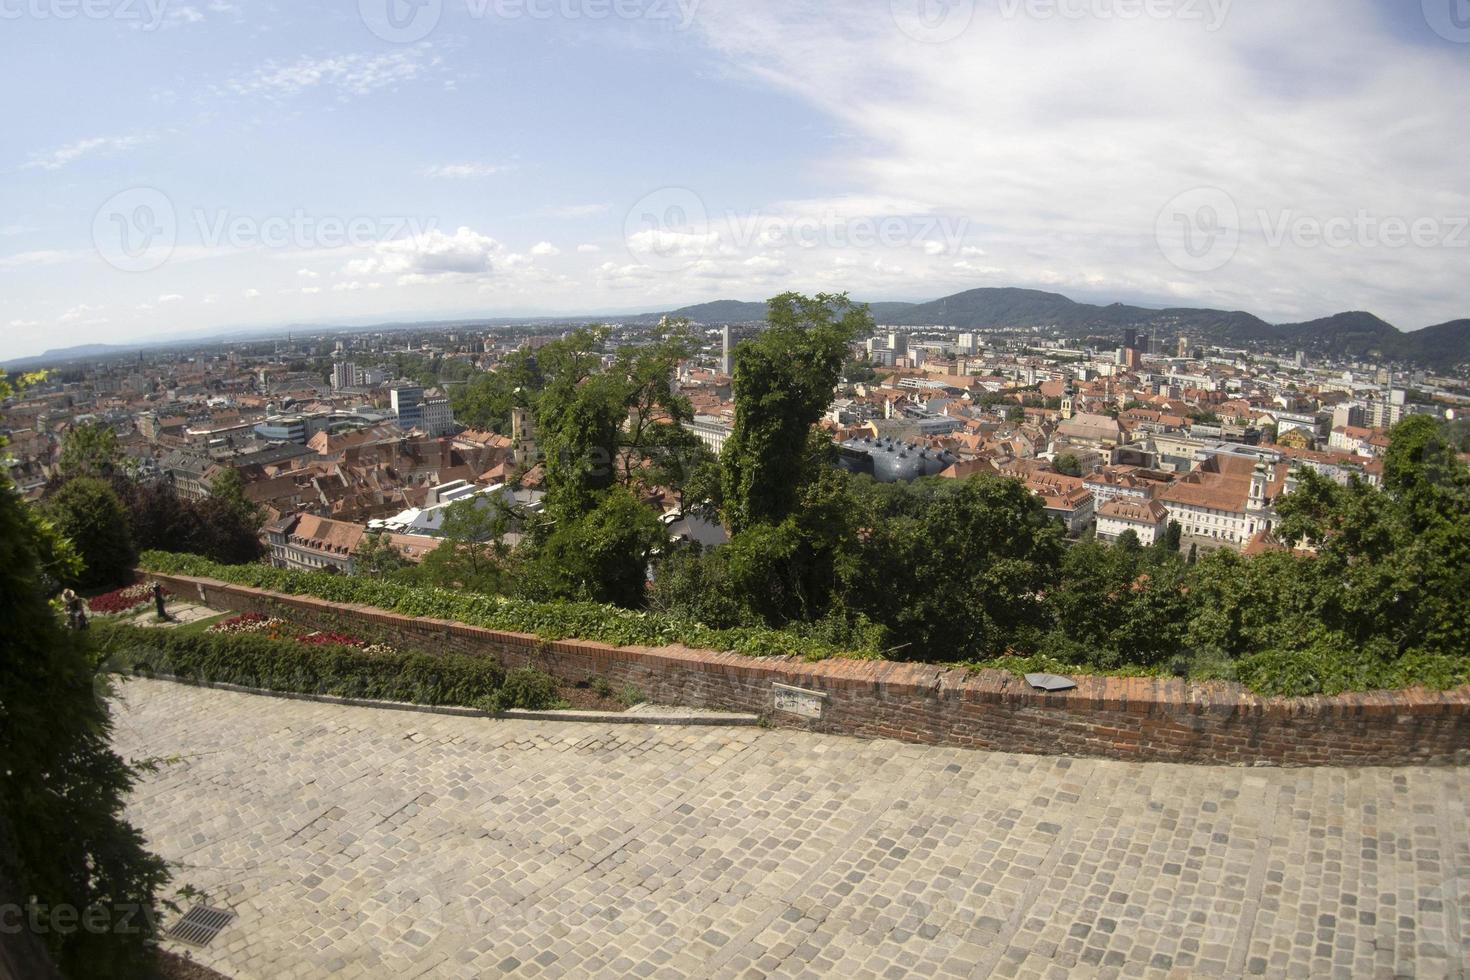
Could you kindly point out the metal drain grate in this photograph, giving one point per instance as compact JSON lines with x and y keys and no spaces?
{"x":200,"y":925}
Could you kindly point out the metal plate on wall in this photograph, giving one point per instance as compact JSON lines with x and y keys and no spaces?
{"x":796,"y":701}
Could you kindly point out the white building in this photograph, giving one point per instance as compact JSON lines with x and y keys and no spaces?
{"x":709,"y":430}
{"x":1146,"y":518}
{"x":429,"y":519}
{"x":438,"y":416}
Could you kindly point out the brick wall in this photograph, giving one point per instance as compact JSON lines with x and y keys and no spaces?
{"x":1138,"y":719}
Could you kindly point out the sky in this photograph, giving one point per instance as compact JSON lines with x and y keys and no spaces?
{"x":172,"y":167}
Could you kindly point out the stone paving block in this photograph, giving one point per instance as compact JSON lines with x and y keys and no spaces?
{"x":359,"y":843}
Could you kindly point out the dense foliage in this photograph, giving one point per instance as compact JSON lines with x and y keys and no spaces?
{"x":65,"y":848}
{"x":88,"y":513}
{"x":548,"y":620}
{"x":284,"y":664}
{"x":784,"y":378}
{"x":224,"y":526}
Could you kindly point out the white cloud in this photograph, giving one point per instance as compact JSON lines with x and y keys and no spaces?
{"x":544,"y":250}
{"x":462,"y":171}
{"x":251,"y":293}
{"x":308,"y":274}
{"x":80,"y":312}
{"x":587,"y":249}
{"x":347,"y":75}
{"x":1064,"y":182}
{"x":666,"y":244}
{"x":170,"y":298}
{"x":81,"y":149}
{"x":435,"y":256}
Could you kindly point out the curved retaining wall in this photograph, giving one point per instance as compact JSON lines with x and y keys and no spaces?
{"x":1138,"y":719}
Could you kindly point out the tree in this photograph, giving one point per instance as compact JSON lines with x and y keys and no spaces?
{"x":377,"y":557}
{"x":622,"y":424}
{"x":1068,"y":464}
{"x":223,"y":527}
{"x":784,"y":379}
{"x":63,"y":841}
{"x":1117,"y":605}
{"x":91,"y":450}
{"x":953,"y":569}
{"x":486,"y":401}
{"x":578,"y":416}
{"x":601,"y":556}
{"x":473,"y":554}
{"x":88,"y":512}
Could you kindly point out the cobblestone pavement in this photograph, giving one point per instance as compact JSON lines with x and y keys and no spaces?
{"x":356,"y":842}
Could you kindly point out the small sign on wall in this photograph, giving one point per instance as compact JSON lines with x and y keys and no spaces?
{"x":795,"y":701}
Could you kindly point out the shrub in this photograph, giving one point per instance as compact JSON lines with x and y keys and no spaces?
{"x":527,"y":689}
{"x":253,"y":660}
{"x":546,"y":620}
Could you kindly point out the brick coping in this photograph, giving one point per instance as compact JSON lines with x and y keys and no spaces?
{"x":1142,"y":695}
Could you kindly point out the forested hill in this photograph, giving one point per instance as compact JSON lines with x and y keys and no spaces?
{"x":1351,"y":334}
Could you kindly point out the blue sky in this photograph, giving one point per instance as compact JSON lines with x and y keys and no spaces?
{"x":174,"y":167}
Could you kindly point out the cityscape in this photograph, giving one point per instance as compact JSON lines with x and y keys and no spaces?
{"x":948,"y":488}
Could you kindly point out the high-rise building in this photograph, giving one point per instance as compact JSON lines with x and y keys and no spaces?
{"x":1183,"y":346}
{"x":344,"y":375}
{"x":1130,"y":339}
{"x":408,"y":404}
{"x":727,"y":363}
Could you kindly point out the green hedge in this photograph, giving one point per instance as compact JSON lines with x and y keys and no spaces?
{"x":547,"y":620}
{"x":257,"y":661}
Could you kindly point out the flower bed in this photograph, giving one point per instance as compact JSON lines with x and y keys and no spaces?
{"x":249,"y":623}
{"x":123,"y":600}
{"x":280,"y":629}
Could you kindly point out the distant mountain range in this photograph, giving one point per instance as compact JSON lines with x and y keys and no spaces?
{"x":1353,"y":335}
{"x":1445,"y":346}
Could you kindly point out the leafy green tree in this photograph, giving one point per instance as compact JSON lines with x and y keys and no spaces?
{"x":1068,"y":464}
{"x":954,"y":569}
{"x":377,"y":557}
{"x":792,"y":571}
{"x":486,"y":400}
{"x":622,"y":424}
{"x":474,"y":554}
{"x":1118,"y":605}
{"x":601,"y":556}
{"x":218,"y":527}
{"x":91,"y":450}
{"x":89,"y":514}
{"x":63,"y":841}
{"x":784,"y":379}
